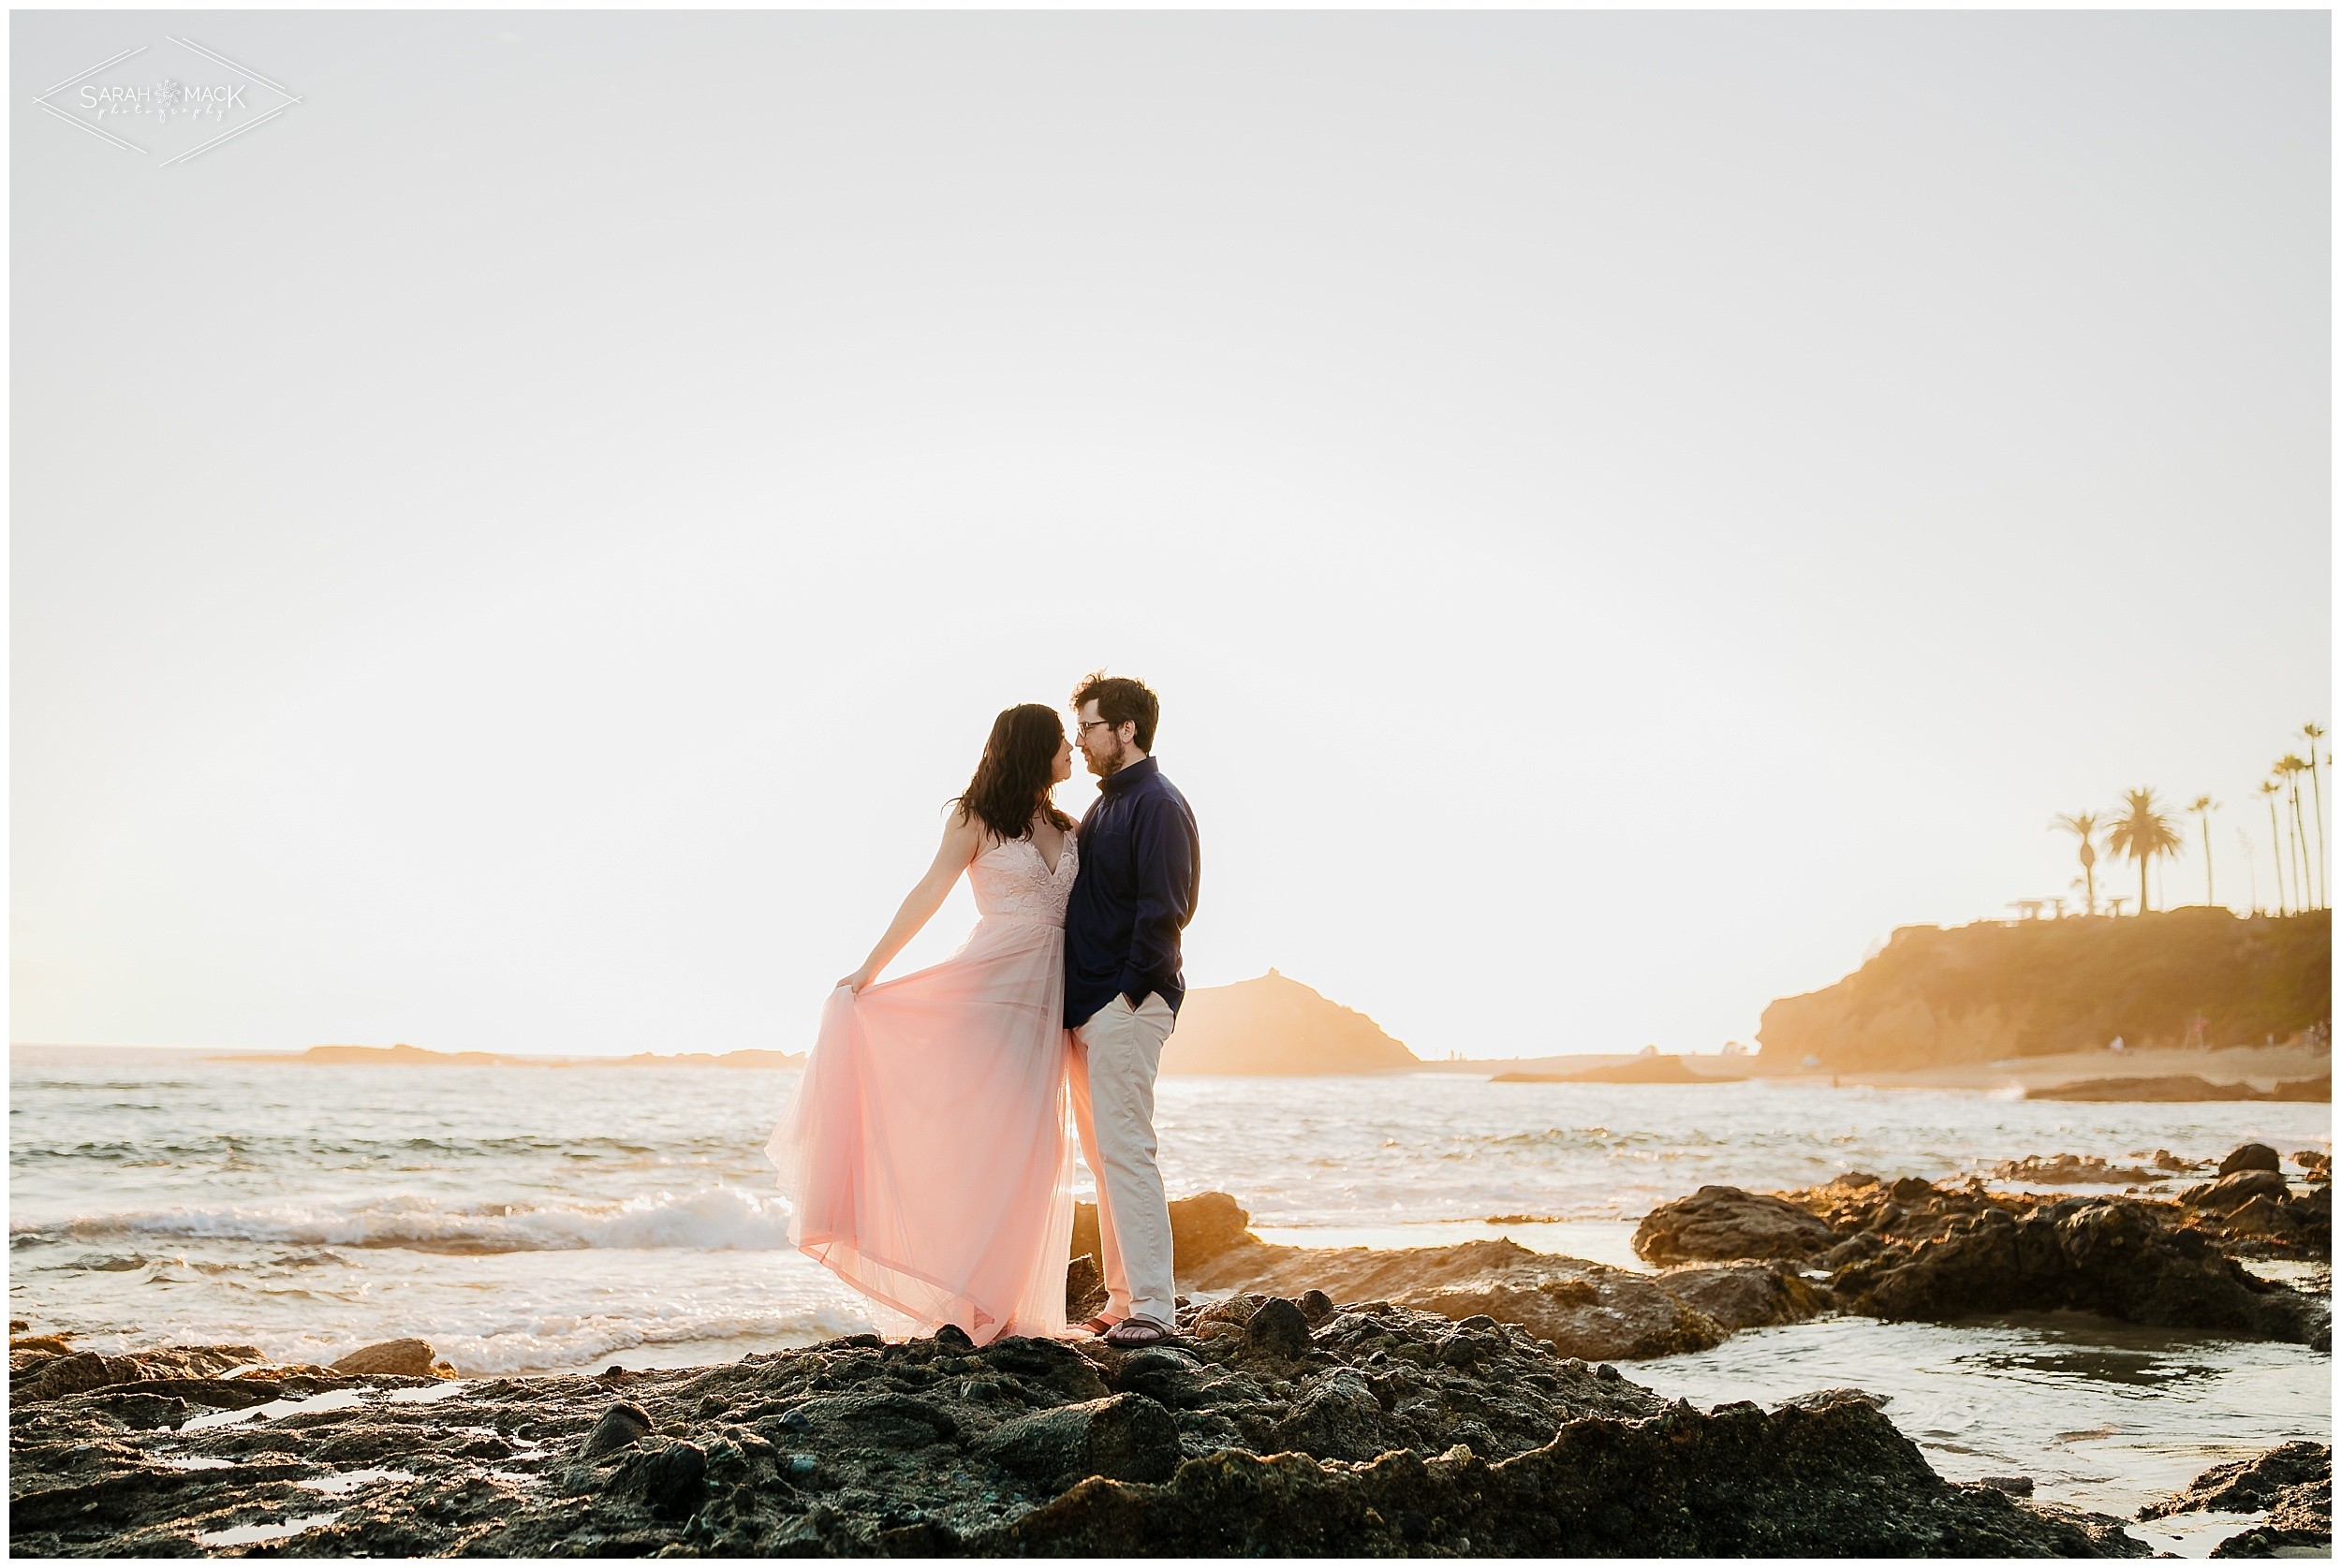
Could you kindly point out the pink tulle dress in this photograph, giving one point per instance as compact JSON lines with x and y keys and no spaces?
{"x":924,"y":1156}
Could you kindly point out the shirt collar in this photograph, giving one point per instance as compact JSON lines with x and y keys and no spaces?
{"x":1115,"y":783}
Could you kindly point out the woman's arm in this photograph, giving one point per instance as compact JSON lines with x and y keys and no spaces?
{"x":963,"y":835}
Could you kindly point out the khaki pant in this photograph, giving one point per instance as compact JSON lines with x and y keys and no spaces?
{"x":1115,"y":1056}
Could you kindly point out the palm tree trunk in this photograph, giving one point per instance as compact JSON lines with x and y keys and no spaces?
{"x":2323,"y":895}
{"x":2209,"y":897}
{"x":2275,"y":853}
{"x":2301,"y":836}
{"x":2142,"y":905}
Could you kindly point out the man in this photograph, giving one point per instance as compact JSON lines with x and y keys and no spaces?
{"x":1132,"y":895}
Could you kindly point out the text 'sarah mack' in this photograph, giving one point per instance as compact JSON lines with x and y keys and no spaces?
{"x":165,"y":100}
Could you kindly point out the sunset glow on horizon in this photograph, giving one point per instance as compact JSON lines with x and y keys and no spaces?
{"x":1612,"y":542}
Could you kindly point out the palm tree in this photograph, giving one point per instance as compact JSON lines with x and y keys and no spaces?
{"x":2316,"y":735}
{"x":2292,"y":768}
{"x":2084,"y":826}
{"x":2269,"y":788}
{"x":2142,"y":833}
{"x":2203,"y":807}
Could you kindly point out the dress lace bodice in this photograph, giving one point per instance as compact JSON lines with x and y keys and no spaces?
{"x":1012,"y":882}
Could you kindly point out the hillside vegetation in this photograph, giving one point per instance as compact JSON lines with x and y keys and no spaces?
{"x":2037,"y":987}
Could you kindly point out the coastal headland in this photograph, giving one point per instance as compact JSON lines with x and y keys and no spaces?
{"x":1995,"y":990}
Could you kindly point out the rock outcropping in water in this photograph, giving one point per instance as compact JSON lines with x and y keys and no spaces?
{"x":1586,"y":1309}
{"x":2293,"y":1484}
{"x":1275,"y":1025}
{"x":1911,"y":1250}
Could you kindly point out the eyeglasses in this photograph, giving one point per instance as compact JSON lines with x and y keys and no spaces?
{"x":1095,"y":723}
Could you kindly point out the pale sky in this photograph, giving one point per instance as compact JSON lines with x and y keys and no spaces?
{"x":1622,"y":510}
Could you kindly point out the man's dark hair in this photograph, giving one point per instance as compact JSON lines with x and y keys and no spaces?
{"x":1121,"y":700}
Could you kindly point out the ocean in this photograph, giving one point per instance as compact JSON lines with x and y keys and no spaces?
{"x":561,"y":1219}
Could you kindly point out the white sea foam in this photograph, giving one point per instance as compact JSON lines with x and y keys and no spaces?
{"x":557,"y":1343}
{"x":712,"y":1218}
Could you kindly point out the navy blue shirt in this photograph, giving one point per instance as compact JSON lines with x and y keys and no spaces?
{"x":1133,"y":895}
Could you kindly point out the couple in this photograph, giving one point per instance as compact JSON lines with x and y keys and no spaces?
{"x":925,"y":1155}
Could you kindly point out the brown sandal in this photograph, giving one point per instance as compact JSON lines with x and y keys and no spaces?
{"x":1132,"y":1333}
{"x":1100,"y":1324}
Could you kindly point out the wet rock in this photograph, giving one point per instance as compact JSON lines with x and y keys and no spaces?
{"x":668,"y":1476}
{"x":1084,"y":1289}
{"x":861,"y":1447}
{"x":2258,"y":1218}
{"x":2316,"y":1162}
{"x":2297,"y":1227}
{"x":2293,"y":1483}
{"x":1165,"y":1375}
{"x":1316,"y":1306}
{"x":2233,"y":1192}
{"x":60,"y":1376}
{"x":1722,"y":1224}
{"x":56,"y":1377}
{"x":1047,"y":1367}
{"x":1124,"y":1437}
{"x":1739,"y":1482}
{"x":398,"y":1357}
{"x":1336,"y":1417}
{"x":2068,"y":1170}
{"x":1202,"y":1229}
{"x":622,"y":1425}
{"x":876,"y":1420}
{"x":1823,"y":1396}
{"x":1746,"y":1295}
{"x":2251,"y":1485}
{"x":2014,"y":1485}
{"x":2250,"y":1156}
{"x":1586,"y":1309}
{"x":1277,"y":1328}
{"x":2114,"y":1257}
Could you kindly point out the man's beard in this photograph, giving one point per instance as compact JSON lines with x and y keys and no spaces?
{"x":1105,"y":767}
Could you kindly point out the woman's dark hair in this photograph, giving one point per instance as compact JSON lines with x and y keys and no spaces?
{"x":1122,"y":700}
{"x":1012,"y":782}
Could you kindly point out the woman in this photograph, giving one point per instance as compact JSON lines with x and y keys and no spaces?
{"x":925,"y":1155}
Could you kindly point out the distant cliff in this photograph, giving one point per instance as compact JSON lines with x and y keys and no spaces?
{"x":1935,"y":997}
{"x":1277,"y":1027}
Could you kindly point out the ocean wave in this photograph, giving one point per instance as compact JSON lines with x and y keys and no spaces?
{"x":555,"y":1344}
{"x":712,"y":1219}
{"x":343,"y":1149}
{"x":547,"y":1340}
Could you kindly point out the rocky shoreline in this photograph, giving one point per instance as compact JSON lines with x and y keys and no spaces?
{"x":1906,"y":1249}
{"x":1274,"y":1428}
{"x":1461,"y":1400}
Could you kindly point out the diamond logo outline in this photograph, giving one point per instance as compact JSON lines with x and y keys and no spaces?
{"x":247,"y":73}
